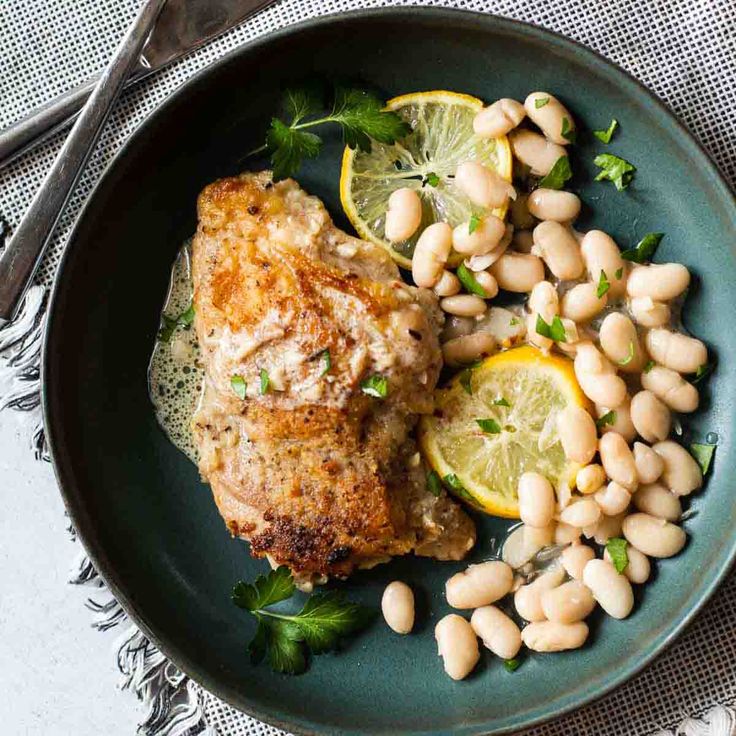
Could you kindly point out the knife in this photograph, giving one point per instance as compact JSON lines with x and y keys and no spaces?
{"x":183,"y":26}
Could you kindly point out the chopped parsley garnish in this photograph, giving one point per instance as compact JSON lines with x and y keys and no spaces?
{"x":468,"y":280}
{"x":603,"y":284}
{"x":464,"y":377}
{"x":432,"y":179}
{"x":619,"y":273}
{"x":616,"y":548}
{"x":554,"y":331}
{"x":703,"y":454}
{"x":629,"y":357}
{"x":265,"y":381}
{"x":650,"y":364}
{"x":169,"y":324}
{"x":608,"y":418}
{"x":489,"y":426}
{"x":540,"y":102}
{"x":511,"y":665}
{"x":615,"y":169}
{"x":286,"y":639}
{"x":434,"y":484}
{"x":558,"y":175}
{"x":327,"y":362}
{"x":702,"y":372}
{"x":501,"y":402}
{"x":606,"y":135}
{"x":568,"y":132}
{"x":359,"y":114}
{"x":239,"y":386}
{"x":375,"y":386}
{"x":473,"y":224}
{"x":644,"y":249}
{"x":514,"y":321}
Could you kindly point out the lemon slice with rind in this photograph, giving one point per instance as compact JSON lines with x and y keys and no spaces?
{"x":442,"y":137}
{"x":516,"y":395}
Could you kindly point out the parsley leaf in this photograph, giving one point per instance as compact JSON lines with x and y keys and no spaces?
{"x":453,"y":482}
{"x":615,"y":169}
{"x":501,"y":401}
{"x":554,"y":331}
{"x":464,"y":379}
{"x":432,"y":179}
{"x":239,"y":386}
{"x":616,"y":548}
{"x":277,"y":586}
{"x":629,"y":357}
{"x":558,"y":175}
{"x":489,"y":426}
{"x":606,"y":135}
{"x":265,"y":381}
{"x":375,"y":386}
{"x":511,"y":665}
{"x":608,"y":418}
{"x":603,"y":284}
{"x":434,"y":484}
{"x":325,"y":356}
{"x":514,"y":321}
{"x":619,"y":273}
{"x":358,"y":113}
{"x":540,"y":102}
{"x":468,"y":280}
{"x":169,"y":324}
{"x":650,"y":364}
{"x":473,"y":224}
{"x":644,"y":249}
{"x":703,"y":454}
{"x":568,"y":132}
{"x":702,"y":372}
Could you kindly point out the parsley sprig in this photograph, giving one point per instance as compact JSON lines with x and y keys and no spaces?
{"x":285,"y":638}
{"x":359,"y":114}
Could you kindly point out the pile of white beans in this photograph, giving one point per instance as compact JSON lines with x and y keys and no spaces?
{"x":630,"y":363}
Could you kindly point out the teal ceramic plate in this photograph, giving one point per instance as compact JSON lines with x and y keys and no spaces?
{"x":148,"y":522}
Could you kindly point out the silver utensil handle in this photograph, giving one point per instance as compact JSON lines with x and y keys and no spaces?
{"x":23,"y":252}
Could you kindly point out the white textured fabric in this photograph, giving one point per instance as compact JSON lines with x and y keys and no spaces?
{"x":685,"y":50}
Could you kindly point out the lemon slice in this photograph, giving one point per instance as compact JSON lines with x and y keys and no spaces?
{"x":442,"y":137}
{"x":482,"y":465}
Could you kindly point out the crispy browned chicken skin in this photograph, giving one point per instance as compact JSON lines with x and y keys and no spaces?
{"x":314,"y":472}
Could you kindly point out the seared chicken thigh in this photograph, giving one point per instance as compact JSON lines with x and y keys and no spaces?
{"x":314,"y":466}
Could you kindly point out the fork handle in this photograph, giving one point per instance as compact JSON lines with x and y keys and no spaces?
{"x":22,"y":254}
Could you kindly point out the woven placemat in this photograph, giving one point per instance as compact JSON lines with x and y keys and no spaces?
{"x":684,"y":50}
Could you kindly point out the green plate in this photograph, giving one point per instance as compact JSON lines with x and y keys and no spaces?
{"x":151,"y":526}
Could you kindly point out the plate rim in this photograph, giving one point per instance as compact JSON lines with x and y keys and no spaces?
{"x":54,"y":429}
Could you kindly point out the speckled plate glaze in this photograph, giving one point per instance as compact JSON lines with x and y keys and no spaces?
{"x":148,"y":522}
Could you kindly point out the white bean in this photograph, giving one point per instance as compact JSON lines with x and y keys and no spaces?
{"x":656,"y":500}
{"x":536,"y":500}
{"x":578,"y":434}
{"x":582,"y":303}
{"x":654,"y":537}
{"x":620,"y":343}
{"x":431,"y":253}
{"x":485,"y":238}
{"x":554,"y":204}
{"x":523,"y":241}
{"x":404,"y":214}
{"x":568,"y":603}
{"x":483,"y":186}
{"x":581,"y":513}
{"x":467,"y":348}
{"x":498,"y":632}
{"x":528,"y":598}
{"x":457,"y":645}
{"x":597,"y":377}
{"x":612,"y":590}
{"x":607,"y":528}
{"x":649,"y":313}
{"x":550,"y":636}
{"x":535,"y":151}
{"x":617,"y":460}
{"x":479,"y":585}
{"x":551,"y":117}
{"x":524,"y":542}
{"x":681,"y":474}
{"x":543,"y":301}
{"x":613,"y":499}
{"x":521,"y":218}
{"x":559,"y":250}
{"x":448,"y":285}
{"x":574,"y":559}
{"x":671,"y":388}
{"x":566,"y":533}
{"x":661,"y":282}
{"x":463,"y":305}
{"x":499,"y":118}
{"x":638,"y":568}
{"x":601,"y":253}
{"x":676,"y":351}
{"x":621,"y":421}
{"x":650,"y":416}
{"x":397,"y":605}
{"x":539,"y":536}
{"x":518,"y":272}
{"x":649,"y":465}
{"x":590,"y":478}
{"x":457,"y":327}
{"x":488,"y":283}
